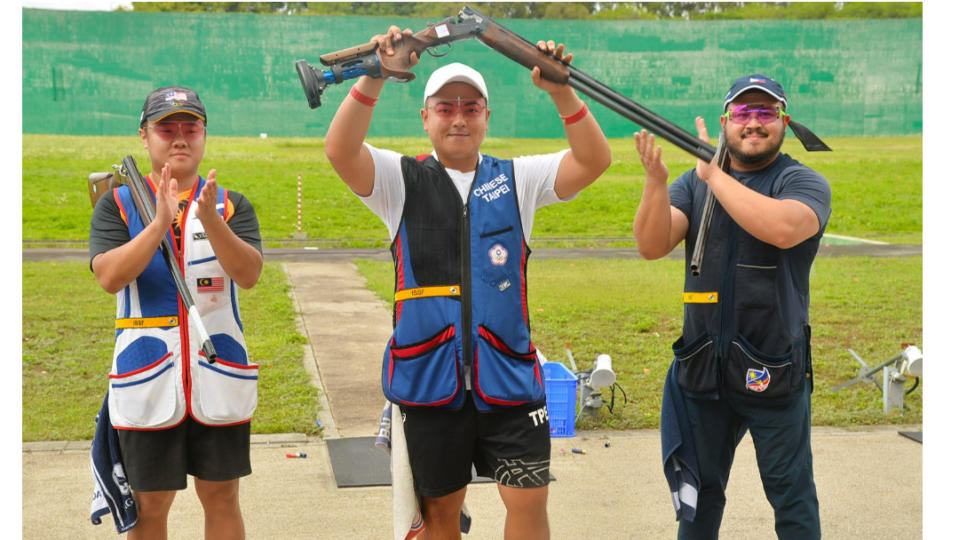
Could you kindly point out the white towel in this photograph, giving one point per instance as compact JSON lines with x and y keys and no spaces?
{"x":407,"y":518}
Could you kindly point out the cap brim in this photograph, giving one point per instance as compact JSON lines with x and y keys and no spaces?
{"x":160,"y":116}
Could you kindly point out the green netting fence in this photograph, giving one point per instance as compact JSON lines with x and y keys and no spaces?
{"x":88,"y":72}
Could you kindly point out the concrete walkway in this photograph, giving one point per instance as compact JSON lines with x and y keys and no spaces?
{"x":869,"y":480}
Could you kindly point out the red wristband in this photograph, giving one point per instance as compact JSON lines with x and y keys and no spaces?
{"x":362,"y":98}
{"x":576,"y":117}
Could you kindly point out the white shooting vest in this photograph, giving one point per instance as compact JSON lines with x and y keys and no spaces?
{"x":159,"y":374}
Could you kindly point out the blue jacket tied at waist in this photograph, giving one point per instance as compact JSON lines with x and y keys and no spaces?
{"x":679,"y":452}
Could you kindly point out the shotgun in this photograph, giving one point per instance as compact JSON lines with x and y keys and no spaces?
{"x":363,"y":60}
{"x":128,"y":174}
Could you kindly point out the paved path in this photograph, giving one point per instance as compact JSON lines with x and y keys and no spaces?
{"x":870,"y":481}
{"x":347,"y":326}
{"x":869,"y":488}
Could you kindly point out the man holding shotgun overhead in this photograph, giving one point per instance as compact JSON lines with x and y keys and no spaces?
{"x":743,"y":361}
{"x":460,"y":364}
{"x":175,"y":412}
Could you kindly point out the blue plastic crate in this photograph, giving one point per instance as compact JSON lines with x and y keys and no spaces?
{"x":560,"y":399}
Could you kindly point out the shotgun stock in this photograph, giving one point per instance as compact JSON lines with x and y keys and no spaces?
{"x":99,"y":183}
{"x":360,"y":60}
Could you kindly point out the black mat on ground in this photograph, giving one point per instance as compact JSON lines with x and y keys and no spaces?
{"x":357,"y":462}
{"x":914,"y":435}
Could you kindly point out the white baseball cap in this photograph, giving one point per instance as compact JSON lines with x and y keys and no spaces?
{"x":454,"y":72}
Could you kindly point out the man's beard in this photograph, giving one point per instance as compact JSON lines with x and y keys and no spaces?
{"x":754,"y":159}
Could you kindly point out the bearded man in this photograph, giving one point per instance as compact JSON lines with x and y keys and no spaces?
{"x":743,"y":361}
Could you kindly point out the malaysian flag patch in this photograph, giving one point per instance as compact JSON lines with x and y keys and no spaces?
{"x":209,"y":284}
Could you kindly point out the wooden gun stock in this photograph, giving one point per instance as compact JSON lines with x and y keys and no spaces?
{"x":347,"y":54}
{"x":397,"y":67}
{"x":99,"y":183}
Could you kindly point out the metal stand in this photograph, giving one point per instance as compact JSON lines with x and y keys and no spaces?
{"x":905,"y":366}
{"x":590,"y":397}
{"x":893,"y":389}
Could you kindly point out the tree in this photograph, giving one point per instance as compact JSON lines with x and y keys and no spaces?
{"x":562,"y":10}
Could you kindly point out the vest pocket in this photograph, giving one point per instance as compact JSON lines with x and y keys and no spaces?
{"x":146,"y":397}
{"x":224,"y":392}
{"x":139,"y":354}
{"x":696,"y":364}
{"x":422,"y":373}
{"x":753,"y":373}
{"x":505,"y":376}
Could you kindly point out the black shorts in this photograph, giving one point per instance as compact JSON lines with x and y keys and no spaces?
{"x":511,"y":446}
{"x":160,"y":460}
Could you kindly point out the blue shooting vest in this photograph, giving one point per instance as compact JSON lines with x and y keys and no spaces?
{"x":460,"y":286}
{"x":746,"y":321}
{"x":158,"y":373}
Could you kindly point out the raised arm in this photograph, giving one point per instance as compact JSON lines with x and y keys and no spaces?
{"x":589,"y":154}
{"x":344,"y":140}
{"x":658,"y":226}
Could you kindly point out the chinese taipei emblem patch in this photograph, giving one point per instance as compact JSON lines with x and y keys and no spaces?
{"x":497,"y":255}
{"x":757,"y":380}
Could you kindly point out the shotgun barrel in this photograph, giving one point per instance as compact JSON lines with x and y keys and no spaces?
{"x":146,"y":207}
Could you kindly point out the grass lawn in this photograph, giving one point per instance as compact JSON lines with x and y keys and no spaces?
{"x":629,"y":309}
{"x":632,"y":310}
{"x":876,"y":183}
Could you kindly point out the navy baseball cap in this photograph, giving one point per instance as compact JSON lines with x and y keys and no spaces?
{"x":758,"y":82}
{"x":168,"y":100}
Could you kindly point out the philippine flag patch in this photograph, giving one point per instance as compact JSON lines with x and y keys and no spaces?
{"x":757,"y":380}
{"x":206,"y":284}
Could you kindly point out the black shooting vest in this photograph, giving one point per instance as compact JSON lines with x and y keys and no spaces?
{"x":746,"y":323}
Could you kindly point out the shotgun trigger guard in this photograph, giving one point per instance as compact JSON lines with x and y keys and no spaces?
{"x":432,"y":51}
